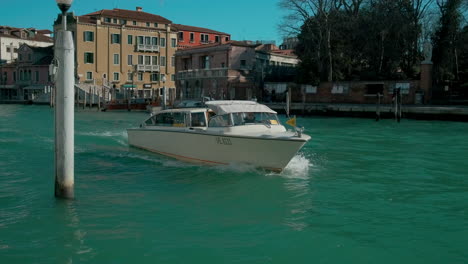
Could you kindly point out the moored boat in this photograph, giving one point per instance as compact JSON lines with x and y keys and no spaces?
{"x":223,"y":132}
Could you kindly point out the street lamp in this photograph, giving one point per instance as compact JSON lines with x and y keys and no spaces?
{"x":64,"y":5}
{"x":64,"y":55}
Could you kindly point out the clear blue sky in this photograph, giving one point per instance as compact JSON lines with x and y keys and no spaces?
{"x":243,"y":19}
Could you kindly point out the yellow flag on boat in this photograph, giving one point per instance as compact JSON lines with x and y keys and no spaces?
{"x":292,"y":122}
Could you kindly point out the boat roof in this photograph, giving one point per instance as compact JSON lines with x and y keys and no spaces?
{"x":223,"y":107}
{"x":178,"y":110}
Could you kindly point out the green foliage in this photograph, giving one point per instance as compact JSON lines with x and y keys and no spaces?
{"x":378,"y":41}
{"x":446,"y":42}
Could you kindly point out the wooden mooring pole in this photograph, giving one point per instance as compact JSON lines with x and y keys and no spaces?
{"x":377,"y":111}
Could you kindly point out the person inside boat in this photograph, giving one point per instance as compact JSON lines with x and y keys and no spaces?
{"x":249,"y":118}
{"x":198,"y":119}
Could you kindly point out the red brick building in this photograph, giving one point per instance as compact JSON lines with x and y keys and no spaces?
{"x":217,"y":70}
{"x":190,"y":36}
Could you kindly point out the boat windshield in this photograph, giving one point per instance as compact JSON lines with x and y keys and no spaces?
{"x":244,"y":118}
{"x":176,"y":119}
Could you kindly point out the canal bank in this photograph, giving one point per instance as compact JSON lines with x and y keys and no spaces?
{"x":423,"y":112}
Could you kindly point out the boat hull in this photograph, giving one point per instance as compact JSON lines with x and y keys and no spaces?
{"x":218,"y":149}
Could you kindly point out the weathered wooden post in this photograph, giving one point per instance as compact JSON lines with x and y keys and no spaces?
{"x":84,"y":99}
{"x":64,"y":110}
{"x":99,"y":102}
{"x":377,"y":111}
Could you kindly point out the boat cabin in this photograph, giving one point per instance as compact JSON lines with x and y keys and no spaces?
{"x":218,"y":114}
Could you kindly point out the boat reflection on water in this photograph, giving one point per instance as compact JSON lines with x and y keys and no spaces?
{"x":221,"y":132}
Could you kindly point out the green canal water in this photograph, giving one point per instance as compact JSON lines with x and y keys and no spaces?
{"x":359,"y":192}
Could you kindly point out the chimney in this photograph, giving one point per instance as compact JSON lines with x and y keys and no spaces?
{"x":139,"y":9}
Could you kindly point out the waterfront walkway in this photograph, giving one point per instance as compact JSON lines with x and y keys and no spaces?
{"x":438,"y":112}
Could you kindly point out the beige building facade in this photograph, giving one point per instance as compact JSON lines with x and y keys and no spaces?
{"x":130,"y":52}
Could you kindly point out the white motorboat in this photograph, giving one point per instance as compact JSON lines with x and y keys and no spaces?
{"x":223,"y":132}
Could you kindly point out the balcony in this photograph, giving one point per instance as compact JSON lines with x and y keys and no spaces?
{"x":148,"y":48}
{"x":147,"y":68}
{"x":202,"y":73}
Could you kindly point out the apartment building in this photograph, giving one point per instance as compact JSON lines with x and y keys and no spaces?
{"x":11,"y":39}
{"x":232,"y":70}
{"x":27,"y":78}
{"x":124,"y":50}
{"x":217,"y":70}
{"x":190,"y":36}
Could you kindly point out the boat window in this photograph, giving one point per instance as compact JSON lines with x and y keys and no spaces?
{"x":198,"y":119}
{"x":220,"y":121}
{"x":247,"y":118}
{"x":167,"y":119}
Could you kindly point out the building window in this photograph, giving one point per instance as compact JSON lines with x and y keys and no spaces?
{"x":204,"y":38}
{"x":154,"y":77}
{"x":154,"y":41}
{"x":181,"y":36}
{"x":116,"y":76}
{"x":130,"y":76}
{"x":192,"y":37}
{"x":8,"y":49}
{"x":123,"y":21}
{"x":140,"y":59}
{"x":147,"y":40}
{"x":20,"y":56}
{"x":89,"y":57}
{"x":163,"y":42}
{"x":140,"y":76}
{"x":116,"y":59}
{"x":227,"y":39}
{"x":141,"y":40}
{"x":173,"y":42}
{"x":134,"y":23}
{"x":173,"y":77}
{"x":155,"y":24}
{"x":205,"y":62}
{"x":88,"y":36}
{"x":173,"y":61}
{"x":129,"y":59}
{"x":147,"y":60}
{"x":216,"y":39}
{"x":37,"y":75}
{"x":163,"y":61}
{"x":107,"y":19}
{"x":115,"y":38}
{"x":89,"y":75}
{"x":154,"y":60}
{"x":147,"y":24}
{"x":130,"y":39}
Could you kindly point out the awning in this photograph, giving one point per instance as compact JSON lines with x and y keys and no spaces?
{"x":129,"y":86}
{"x":227,"y":107}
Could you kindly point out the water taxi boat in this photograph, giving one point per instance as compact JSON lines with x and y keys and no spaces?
{"x":223,"y":132}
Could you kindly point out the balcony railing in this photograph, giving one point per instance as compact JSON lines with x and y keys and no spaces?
{"x":203,"y":73}
{"x":147,"y":68}
{"x":149,"y":48}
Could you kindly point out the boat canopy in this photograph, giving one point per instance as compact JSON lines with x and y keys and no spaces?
{"x":228,"y":107}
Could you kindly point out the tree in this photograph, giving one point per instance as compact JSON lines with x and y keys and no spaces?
{"x":445,"y":55}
